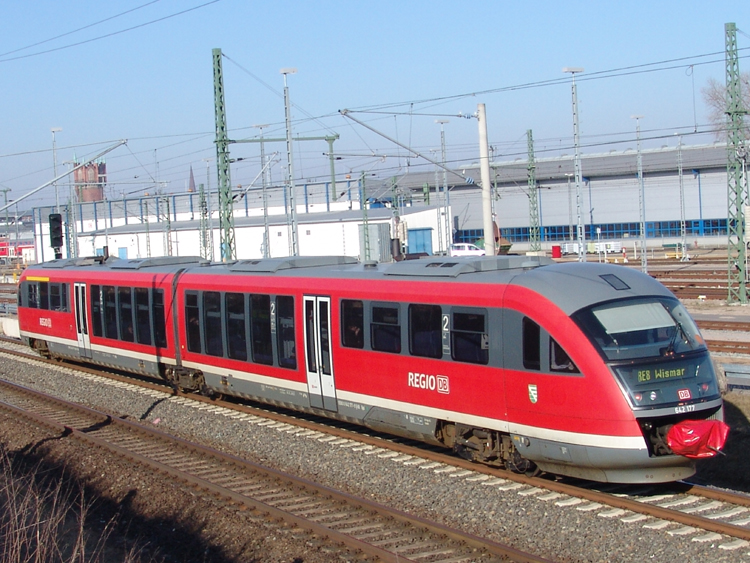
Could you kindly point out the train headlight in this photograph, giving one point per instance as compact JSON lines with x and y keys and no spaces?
{"x":638,"y":397}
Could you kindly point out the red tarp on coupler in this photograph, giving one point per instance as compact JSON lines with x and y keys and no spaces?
{"x":697,"y":438}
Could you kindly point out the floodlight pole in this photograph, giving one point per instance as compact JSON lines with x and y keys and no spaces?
{"x":266,"y":241}
{"x":581,"y":236}
{"x":641,"y":194}
{"x":293,"y":247}
{"x":446,"y":193}
{"x":683,"y":228}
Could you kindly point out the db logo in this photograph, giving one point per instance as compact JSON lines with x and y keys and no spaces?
{"x":683,"y":394}
{"x":443,"y":386}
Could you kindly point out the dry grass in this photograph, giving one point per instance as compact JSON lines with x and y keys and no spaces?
{"x":45,"y":519}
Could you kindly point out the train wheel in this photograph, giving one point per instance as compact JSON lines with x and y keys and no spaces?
{"x":206,"y":391}
{"x":41,"y":348}
{"x":519,"y":464}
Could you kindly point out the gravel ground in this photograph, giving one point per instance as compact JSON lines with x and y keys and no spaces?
{"x":526,"y":522}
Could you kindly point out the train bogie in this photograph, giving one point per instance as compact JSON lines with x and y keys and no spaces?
{"x":575,"y":369}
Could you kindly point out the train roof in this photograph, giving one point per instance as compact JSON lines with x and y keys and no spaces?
{"x":570,"y":285}
{"x":162,"y":264}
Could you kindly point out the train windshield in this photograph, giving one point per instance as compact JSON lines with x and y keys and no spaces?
{"x":641,"y":328}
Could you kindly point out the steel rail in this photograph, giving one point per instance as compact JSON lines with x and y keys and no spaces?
{"x":102,"y":422}
{"x":591,"y":495}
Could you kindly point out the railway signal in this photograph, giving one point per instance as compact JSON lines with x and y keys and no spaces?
{"x":56,"y":234}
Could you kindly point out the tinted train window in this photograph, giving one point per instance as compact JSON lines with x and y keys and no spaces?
{"x":33,"y":295}
{"x":469,"y":338}
{"x":352,"y":324}
{"x":531,"y":338}
{"x":212,"y":323}
{"x":160,"y":325}
{"x":310,"y":336}
{"x":96,"y":310}
{"x":110,"y":312}
{"x":425,"y":334}
{"x":58,"y":296}
{"x":285,"y":334}
{"x":325,"y":337}
{"x":559,"y":360}
{"x":192,"y":322}
{"x":125,"y":298}
{"x":260,"y":329}
{"x":385,"y":332}
{"x":43,"y":295}
{"x":142,"y":316}
{"x":236,"y":334}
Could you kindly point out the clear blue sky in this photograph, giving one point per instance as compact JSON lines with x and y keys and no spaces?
{"x":415,"y":61}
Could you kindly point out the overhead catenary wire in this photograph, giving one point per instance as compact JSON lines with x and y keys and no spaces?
{"x":112,"y":34}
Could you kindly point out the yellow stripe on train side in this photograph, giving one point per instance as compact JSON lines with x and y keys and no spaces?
{"x":36,"y":278}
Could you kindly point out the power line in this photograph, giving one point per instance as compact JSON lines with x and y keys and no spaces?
{"x":79,"y":29}
{"x":108,"y":34}
{"x":599,"y":75}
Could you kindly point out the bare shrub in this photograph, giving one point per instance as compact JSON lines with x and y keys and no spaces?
{"x":44,"y":519}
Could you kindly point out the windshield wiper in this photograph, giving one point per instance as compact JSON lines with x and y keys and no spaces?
{"x":669,"y":350}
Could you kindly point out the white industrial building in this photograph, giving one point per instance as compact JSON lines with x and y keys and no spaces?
{"x":329,"y":221}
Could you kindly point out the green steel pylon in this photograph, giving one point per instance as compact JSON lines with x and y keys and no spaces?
{"x":736,"y":188}
{"x":226,"y":208}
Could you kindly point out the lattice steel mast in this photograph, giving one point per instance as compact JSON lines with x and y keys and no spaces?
{"x":226,"y":210}
{"x":736,"y":190}
{"x":535,"y":243}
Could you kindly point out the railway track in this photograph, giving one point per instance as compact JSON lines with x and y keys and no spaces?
{"x":355,"y":523}
{"x":699,"y":513}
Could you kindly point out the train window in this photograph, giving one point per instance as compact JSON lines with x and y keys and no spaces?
{"x":160,"y":324}
{"x":55,"y":297}
{"x":325,"y":337}
{"x":212,"y":323}
{"x":32,"y":293}
{"x":125,"y":302}
{"x":192,"y":322}
{"x":110,"y":312}
{"x":285,"y":334}
{"x":531,"y":339}
{"x":236,"y":333}
{"x":96,"y":310}
{"x":43,"y":295}
{"x":469,"y":338}
{"x":385,"y":331}
{"x":352,"y":324}
{"x":559,"y":360}
{"x":312,"y":366}
{"x":142,"y":316}
{"x":260,"y":329}
{"x":425,"y":331}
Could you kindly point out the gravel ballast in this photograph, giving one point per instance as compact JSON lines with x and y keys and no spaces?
{"x":514,"y":517}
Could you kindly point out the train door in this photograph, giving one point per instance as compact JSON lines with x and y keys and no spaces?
{"x":82,"y":323}
{"x":318,"y":362}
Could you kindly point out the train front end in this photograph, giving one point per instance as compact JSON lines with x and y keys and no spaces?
{"x":652,"y":403}
{"x":663,"y":367}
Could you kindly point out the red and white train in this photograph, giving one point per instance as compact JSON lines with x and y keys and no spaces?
{"x":575,"y":369}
